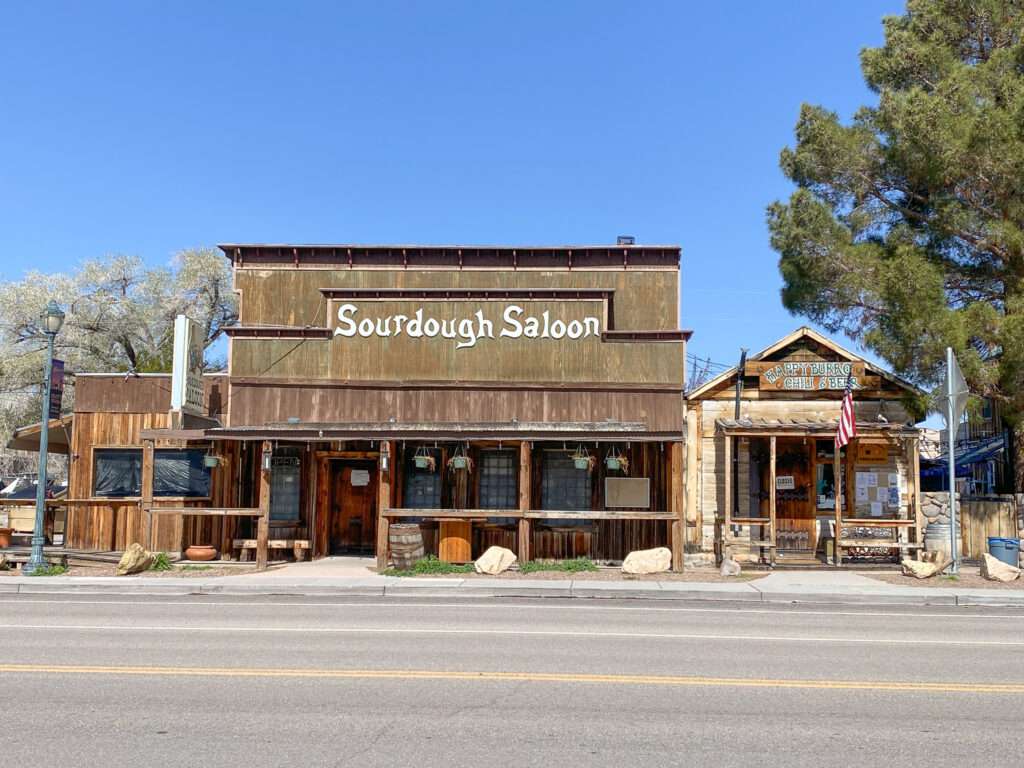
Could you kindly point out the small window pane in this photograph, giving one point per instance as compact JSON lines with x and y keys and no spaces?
{"x":117,"y":472}
{"x":180,"y":473}
{"x":562,"y":485}
{"x":285,"y":473}
{"x":498,"y":480}
{"x":422,"y":488}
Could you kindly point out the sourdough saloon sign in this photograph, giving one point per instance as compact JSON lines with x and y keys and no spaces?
{"x":514,"y":322}
{"x":800,"y":375}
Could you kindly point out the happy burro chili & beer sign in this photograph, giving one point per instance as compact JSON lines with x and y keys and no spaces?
{"x":805,"y":375}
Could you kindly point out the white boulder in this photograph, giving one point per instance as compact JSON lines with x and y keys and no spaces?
{"x":920,"y":569}
{"x":730,"y":567}
{"x":494,"y":561}
{"x":135,"y":560}
{"x":994,"y":569}
{"x":657,"y":560}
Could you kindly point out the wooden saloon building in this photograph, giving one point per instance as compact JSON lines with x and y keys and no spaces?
{"x":532,"y":398}
{"x":527,"y":397}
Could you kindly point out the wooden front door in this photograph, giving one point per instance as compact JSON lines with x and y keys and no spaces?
{"x":353,"y":507}
{"x":795,"y":501}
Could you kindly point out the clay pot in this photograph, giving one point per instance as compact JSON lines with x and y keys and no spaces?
{"x":5,"y":537}
{"x":201,"y":552}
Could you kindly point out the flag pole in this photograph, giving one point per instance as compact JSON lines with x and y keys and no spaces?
{"x":951,"y":436}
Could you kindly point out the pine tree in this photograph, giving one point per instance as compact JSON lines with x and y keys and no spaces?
{"x":906,"y":230}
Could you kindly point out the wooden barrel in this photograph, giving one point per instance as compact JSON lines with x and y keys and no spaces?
{"x":406,"y":542}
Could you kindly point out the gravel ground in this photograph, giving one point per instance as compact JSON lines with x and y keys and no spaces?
{"x":969,"y":577}
{"x":606,"y":574}
{"x":179,"y":572}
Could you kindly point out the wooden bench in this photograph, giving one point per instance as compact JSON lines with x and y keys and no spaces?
{"x":247,"y":546}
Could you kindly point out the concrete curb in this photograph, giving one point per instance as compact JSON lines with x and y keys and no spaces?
{"x":533,"y":588}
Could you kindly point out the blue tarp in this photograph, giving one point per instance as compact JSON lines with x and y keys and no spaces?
{"x":966,"y":457}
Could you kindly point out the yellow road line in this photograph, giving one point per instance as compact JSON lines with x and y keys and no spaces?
{"x":540,"y":677}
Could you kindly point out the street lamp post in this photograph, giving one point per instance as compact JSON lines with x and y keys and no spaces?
{"x":52,"y":319}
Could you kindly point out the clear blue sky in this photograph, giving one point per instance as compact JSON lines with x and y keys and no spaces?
{"x":146,"y":127}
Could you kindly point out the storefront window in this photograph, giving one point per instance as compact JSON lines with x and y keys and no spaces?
{"x":562,"y":485}
{"x":180,"y":473}
{"x":498,"y":474}
{"x":422,"y":488}
{"x":117,"y":472}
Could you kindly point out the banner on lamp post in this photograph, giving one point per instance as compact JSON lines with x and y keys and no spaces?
{"x":56,"y":388}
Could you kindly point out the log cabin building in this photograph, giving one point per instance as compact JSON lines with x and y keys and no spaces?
{"x":532,"y":398}
{"x":458,"y":387}
{"x":762,"y":467}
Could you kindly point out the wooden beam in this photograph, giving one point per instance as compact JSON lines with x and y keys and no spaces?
{"x":384,"y":504}
{"x":524,"y":533}
{"x":600,"y":514}
{"x":677,"y":504}
{"x":914,"y":490}
{"x":147,"y":494}
{"x":263,"y":527}
{"x":205,"y":511}
{"x":456,"y":514}
{"x":773,"y":450}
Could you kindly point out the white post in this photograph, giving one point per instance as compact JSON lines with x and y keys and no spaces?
{"x":951,"y":434}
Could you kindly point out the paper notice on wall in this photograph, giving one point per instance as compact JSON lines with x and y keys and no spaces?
{"x":894,"y":497}
{"x":862,"y":494}
{"x":360,"y":478}
{"x":882,"y":494}
{"x":876,"y":509}
{"x":862,"y":480}
{"x":894,"y":479}
{"x":872,"y":479}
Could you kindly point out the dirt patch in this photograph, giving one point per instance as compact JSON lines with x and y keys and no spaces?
{"x":179,"y":572}
{"x":969,"y":578}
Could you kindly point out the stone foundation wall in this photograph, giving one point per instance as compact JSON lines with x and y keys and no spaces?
{"x":935,"y":506}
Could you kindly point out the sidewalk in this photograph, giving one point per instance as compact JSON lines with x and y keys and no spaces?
{"x":343,"y":580}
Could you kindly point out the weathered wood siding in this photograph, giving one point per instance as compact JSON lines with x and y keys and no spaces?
{"x":644,"y":299}
{"x":113,"y":524}
{"x":254,"y":404}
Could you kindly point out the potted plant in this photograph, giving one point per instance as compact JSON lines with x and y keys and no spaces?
{"x":582,"y":459}
{"x":616,"y":461}
{"x":424,"y":460}
{"x":459,"y":460}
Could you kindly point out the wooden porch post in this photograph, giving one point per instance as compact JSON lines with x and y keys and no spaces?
{"x":147,"y":494}
{"x":523,"y":539}
{"x":263,"y":528}
{"x":727,"y":499}
{"x":837,"y":483}
{"x":678,"y":505}
{"x":384,"y":504}
{"x":773,"y":539}
{"x":914,"y":489}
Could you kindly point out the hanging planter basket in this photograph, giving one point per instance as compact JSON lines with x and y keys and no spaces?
{"x":582,"y":459}
{"x":616,"y":462}
{"x":423,"y":460}
{"x":460,"y":461}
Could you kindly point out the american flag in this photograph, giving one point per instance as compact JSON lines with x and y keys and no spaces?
{"x":847,"y":421}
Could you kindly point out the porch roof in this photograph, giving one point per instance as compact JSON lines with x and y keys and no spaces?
{"x":624,"y":431}
{"x":802,"y":427}
{"x":58,"y":436}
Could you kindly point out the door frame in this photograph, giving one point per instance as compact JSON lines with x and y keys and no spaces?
{"x":324,"y":481}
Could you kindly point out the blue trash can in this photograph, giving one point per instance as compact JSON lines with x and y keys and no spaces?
{"x":1007,"y":550}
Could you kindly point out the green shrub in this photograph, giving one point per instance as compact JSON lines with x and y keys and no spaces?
{"x":575,"y":565}
{"x":430,"y":566}
{"x":161,"y":562}
{"x":50,"y":570}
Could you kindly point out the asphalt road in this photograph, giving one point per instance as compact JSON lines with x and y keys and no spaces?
{"x":207,"y":681}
